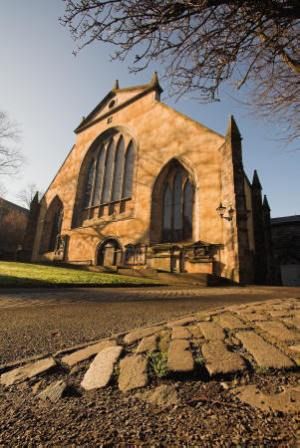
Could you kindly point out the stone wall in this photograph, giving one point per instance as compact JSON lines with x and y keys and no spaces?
{"x":13,"y":222}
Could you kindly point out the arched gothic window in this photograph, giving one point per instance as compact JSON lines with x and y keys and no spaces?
{"x":177,"y":205}
{"x":107,"y":177}
{"x":52,"y":226}
{"x":56,"y":228}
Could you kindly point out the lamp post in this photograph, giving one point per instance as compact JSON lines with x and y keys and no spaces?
{"x":227,"y":213}
{"x":222,"y":210}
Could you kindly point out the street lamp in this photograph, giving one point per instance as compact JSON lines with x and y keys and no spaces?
{"x":222,"y":209}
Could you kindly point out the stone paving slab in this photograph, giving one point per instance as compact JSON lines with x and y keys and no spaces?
{"x":228,"y":320}
{"x":180,"y":359}
{"x":211,"y":331}
{"x":53,"y":392}
{"x":265,"y":354}
{"x":28,"y":371}
{"x":285,"y":401}
{"x":292,"y":322}
{"x":195,"y":331}
{"x":180,"y":333}
{"x":133,"y":373}
{"x":101,"y":369}
{"x":221,"y":361}
{"x":279,"y":331}
{"x":182,"y":322}
{"x":254,"y":317}
{"x":295,"y":348}
{"x":147,"y":344}
{"x":86,"y":353}
{"x":280,"y":313}
{"x":140,"y":333}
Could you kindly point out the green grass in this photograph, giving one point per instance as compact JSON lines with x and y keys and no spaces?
{"x":30,"y":274}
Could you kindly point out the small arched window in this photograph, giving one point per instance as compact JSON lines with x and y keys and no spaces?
{"x":107,"y":183}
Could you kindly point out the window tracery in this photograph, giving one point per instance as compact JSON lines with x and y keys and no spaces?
{"x":108,"y":176}
{"x":177,"y":205}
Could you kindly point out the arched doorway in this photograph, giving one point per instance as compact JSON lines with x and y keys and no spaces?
{"x":109,"y":253}
{"x":172,"y":205}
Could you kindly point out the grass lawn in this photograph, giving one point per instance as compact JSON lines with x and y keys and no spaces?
{"x":30,"y":274}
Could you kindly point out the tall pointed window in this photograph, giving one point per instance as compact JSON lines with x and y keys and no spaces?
{"x":107,"y":183}
{"x":52,"y":225}
{"x":177,"y":204}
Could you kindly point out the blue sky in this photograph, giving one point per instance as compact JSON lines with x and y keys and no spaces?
{"x":47,"y":90}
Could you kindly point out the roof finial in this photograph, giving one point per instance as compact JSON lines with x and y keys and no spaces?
{"x":154,"y":79}
{"x":266,"y":203}
{"x":116,"y":85}
{"x":255,"y":181}
{"x":232,"y":128}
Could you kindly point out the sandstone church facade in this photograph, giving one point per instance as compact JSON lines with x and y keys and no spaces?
{"x":146,"y":187}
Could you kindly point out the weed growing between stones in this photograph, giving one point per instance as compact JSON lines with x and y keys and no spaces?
{"x":116,"y":373}
{"x":199,"y":360}
{"x":262,"y":370}
{"x":158,"y":364}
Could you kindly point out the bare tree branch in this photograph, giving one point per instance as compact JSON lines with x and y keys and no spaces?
{"x":204,"y":44}
{"x":26,"y":195}
{"x":11,"y":158}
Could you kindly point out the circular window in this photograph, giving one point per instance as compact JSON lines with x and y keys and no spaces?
{"x":112,"y":103}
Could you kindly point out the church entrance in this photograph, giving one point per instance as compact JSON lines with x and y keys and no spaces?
{"x":109,"y":253}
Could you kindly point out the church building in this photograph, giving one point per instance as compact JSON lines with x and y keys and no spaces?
{"x":146,"y":187}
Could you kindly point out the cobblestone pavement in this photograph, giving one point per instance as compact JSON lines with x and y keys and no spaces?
{"x":221,"y":376}
{"x":36,"y":321}
{"x":222,"y":342}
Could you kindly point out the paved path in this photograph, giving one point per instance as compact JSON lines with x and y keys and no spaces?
{"x":224,"y":346}
{"x":34,"y":321}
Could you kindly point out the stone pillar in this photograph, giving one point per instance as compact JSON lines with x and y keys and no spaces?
{"x":236,"y":243}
